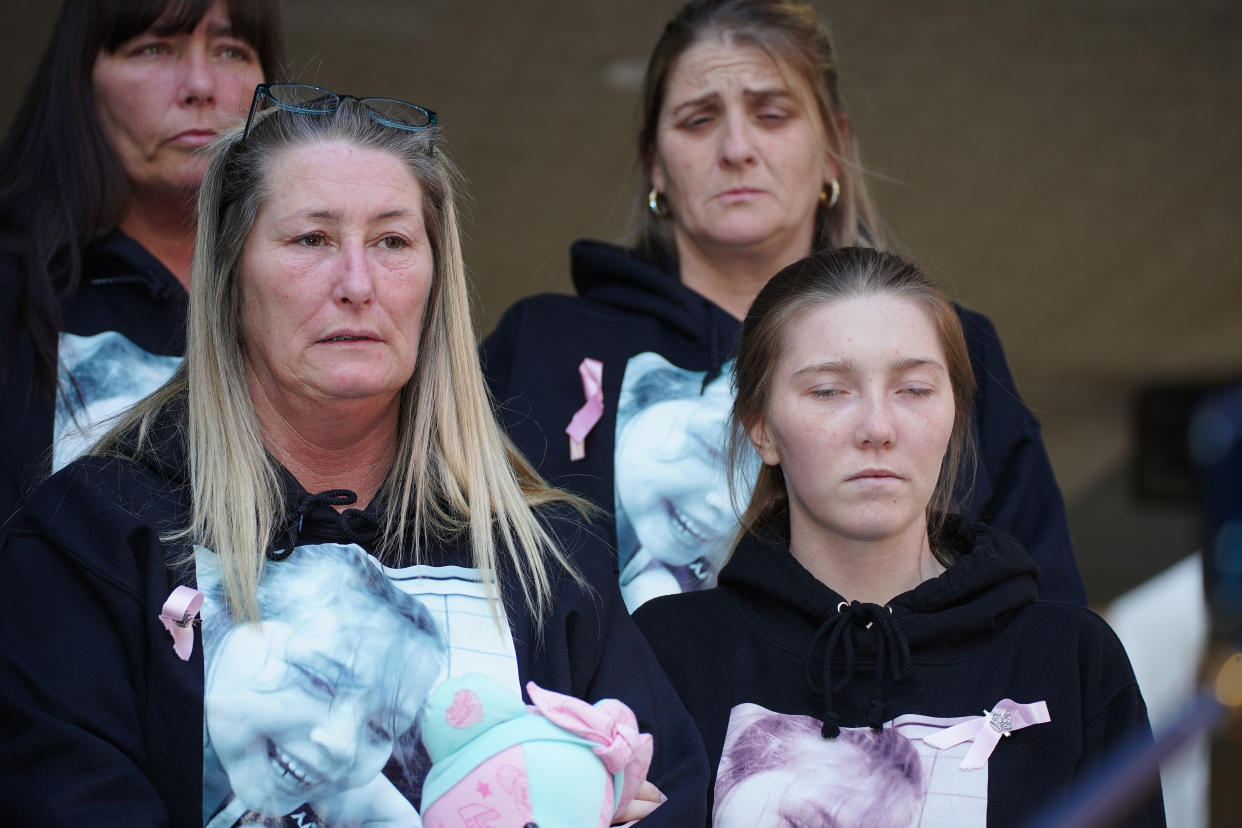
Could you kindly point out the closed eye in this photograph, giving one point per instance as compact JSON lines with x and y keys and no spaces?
{"x":918,"y":391}
{"x":824,"y":393}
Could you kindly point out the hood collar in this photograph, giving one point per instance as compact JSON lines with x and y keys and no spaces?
{"x":117,"y":259}
{"x":992,"y":578}
{"x":619,"y":277}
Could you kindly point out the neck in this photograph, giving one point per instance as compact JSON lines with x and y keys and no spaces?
{"x":872,"y":572}
{"x":338,"y":444}
{"x":165,"y":227}
{"x":732,"y":277}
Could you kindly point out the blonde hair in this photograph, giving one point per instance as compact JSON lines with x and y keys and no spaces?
{"x":809,"y":283}
{"x":455,"y":471}
{"x":789,"y":32}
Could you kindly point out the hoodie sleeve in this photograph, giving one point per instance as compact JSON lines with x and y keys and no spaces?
{"x":84,"y":743}
{"x":603,"y":655}
{"x":1014,"y":486}
{"x":1114,"y":713}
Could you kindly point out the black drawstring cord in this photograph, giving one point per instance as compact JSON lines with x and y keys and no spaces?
{"x":892,"y":656}
{"x":331,"y":497}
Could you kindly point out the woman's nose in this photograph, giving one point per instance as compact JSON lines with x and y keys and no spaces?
{"x":875,"y":427}
{"x":198,"y":79}
{"x":354,"y":283}
{"x":737,"y":147}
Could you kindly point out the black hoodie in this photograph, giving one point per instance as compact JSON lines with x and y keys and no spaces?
{"x":771,"y":638}
{"x":628,"y":307}
{"x":102,"y":724}
{"x":125,"y":291}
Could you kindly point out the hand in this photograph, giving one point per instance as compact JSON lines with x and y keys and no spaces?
{"x":644,"y":802}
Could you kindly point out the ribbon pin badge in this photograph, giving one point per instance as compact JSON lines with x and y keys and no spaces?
{"x":177,"y":616}
{"x":987,"y":730}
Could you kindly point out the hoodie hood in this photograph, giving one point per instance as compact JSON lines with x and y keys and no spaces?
{"x":939,"y":620}
{"x":309,"y":517}
{"x":992,"y":578}
{"x":618,"y":277}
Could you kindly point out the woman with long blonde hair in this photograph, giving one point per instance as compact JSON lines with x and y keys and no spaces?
{"x":330,"y":400}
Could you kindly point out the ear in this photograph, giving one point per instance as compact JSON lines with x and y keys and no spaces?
{"x":759,"y":438}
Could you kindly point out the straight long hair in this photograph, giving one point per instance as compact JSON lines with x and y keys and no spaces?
{"x":455,"y":472}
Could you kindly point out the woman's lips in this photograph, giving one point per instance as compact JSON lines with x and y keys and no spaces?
{"x":875,"y":474}
{"x":193,"y":138}
{"x":739,"y":194}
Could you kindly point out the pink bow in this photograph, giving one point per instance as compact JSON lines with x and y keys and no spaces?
{"x":585,"y":418}
{"x":608,"y":723}
{"x":177,"y":616}
{"x":986,"y":731}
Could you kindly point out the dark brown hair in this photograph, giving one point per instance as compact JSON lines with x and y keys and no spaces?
{"x":790,"y":33}
{"x":809,"y":283}
{"x":62,"y":186}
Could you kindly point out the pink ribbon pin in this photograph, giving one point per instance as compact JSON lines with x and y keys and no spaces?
{"x":610,"y":724}
{"x":177,"y":616}
{"x":585,"y":418}
{"x":986,"y":731}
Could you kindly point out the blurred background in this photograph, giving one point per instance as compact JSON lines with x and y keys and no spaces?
{"x":1070,"y":169}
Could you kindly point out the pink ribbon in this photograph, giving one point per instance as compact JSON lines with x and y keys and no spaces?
{"x":608,"y":723}
{"x":585,"y":418}
{"x":177,"y":616}
{"x":986,"y":731}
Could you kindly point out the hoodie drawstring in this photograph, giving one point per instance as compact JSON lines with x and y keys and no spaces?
{"x":892,"y":657}
{"x":331,"y":497}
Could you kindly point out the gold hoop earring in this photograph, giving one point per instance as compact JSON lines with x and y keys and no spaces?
{"x":656,"y":204}
{"x":828,"y":200}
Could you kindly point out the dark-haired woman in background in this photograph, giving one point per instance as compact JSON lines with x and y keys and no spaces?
{"x":749,"y":164}
{"x":98,"y":176}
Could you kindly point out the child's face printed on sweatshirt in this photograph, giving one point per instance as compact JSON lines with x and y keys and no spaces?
{"x":301,"y":710}
{"x":859,"y":418}
{"x":671,"y":480}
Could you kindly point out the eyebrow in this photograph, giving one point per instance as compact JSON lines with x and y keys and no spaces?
{"x":759,"y":95}
{"x":846,"y":366}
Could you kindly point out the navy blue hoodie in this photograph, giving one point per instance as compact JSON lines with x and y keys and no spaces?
{"x":772,"y":660}
{"x":128,"y":297}
{"x":102,"y":724}
{"x":666,"y":353}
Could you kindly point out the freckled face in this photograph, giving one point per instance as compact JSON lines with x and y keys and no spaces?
{"x":859,"y":419}
{"x":740,"y":153}
{"x":335,"y":278}
{"x":161,"y":98}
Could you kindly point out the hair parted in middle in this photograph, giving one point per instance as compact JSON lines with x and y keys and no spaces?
{"x":455,"y":473}
{"x":790,"y":33}
{"x":819,"y":279}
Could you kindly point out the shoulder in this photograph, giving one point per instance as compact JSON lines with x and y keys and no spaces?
{"x":105,"y":514}
{"x":692,"y":614}
{"x":583,"y":542}
{"x":1064,"y":631}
